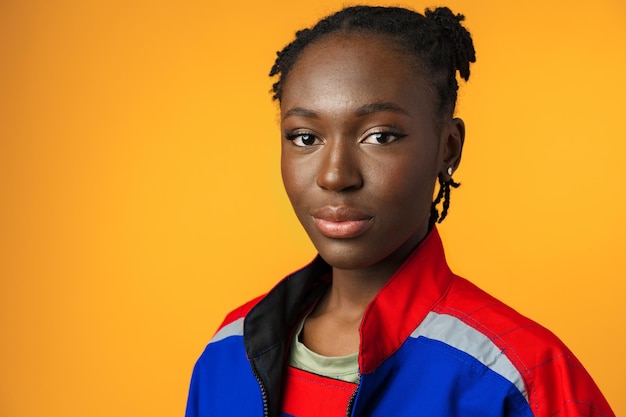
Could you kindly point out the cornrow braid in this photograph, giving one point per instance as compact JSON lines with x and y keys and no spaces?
{"x":437,"y":40}
{"x":444,"y":193}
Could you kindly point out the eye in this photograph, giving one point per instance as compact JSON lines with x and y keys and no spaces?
{"x":382,"y":138}
{"x":303,"y":139}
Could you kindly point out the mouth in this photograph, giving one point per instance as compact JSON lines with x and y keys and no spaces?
{"x":341,"y":222}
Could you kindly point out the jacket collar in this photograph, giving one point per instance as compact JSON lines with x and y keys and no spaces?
{"x":269,"y":325}
{"x":403,"y":302}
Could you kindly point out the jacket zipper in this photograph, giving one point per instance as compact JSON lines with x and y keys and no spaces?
{"x":266,"y":412}
{"x":352,"y":400}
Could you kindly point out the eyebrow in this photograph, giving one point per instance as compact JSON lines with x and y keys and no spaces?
{"x":377,"y":107}
{"x":364,"y":110}
{"x":300,"y":111}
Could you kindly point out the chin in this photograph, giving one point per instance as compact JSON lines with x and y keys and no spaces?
{"x":367,"y":251}
{"x":350,"y":254}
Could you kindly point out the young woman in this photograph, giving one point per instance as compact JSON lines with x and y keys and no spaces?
{"x":377,"y":324}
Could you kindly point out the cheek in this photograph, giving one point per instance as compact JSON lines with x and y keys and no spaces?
{"x":406,"y":184}
{"x":296,"y":176}
{"x":406,"y":201}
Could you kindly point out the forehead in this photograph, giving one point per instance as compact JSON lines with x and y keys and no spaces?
{"x":348,"y":68}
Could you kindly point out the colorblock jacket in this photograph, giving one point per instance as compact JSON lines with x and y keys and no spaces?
{"x":432,"y":344}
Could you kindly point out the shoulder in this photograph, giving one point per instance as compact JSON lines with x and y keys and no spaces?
{"x":233,"y":322}
{"x":225,"y":352}
{"x":551,"y":378}
{"x":223,"y":368}
{"x":503,"y":325}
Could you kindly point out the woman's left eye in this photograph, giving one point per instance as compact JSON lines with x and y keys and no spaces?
{"x":382,"y":138}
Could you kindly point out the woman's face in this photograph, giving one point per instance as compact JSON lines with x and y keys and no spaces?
{"x":361,"y":150}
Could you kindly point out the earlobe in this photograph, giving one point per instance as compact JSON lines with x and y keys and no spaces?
{"x":453,"y":139}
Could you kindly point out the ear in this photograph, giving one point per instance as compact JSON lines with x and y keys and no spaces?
{"x":452,"y":139}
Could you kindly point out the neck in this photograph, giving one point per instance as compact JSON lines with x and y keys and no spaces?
{"x":352,"y":291}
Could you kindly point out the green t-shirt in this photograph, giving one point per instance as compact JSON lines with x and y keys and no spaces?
{"x":345,"y":368}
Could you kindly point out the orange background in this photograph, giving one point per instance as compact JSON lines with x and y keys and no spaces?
{"x":141,"y":198}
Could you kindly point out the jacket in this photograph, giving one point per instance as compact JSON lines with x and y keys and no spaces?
{"x":432,"y":344}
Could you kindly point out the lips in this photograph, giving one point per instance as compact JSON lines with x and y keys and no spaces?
{"x":341,"y":222}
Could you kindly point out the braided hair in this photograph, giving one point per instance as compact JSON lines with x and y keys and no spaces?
{"x":437,"y":41}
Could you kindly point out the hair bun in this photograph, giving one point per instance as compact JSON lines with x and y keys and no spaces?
{"x":455,"y":34}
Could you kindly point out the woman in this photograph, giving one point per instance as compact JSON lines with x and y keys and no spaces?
{"x":377,"y":324}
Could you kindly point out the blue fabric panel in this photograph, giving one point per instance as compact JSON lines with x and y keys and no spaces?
{"x":437,"y":380}
{"x":223,"y":384}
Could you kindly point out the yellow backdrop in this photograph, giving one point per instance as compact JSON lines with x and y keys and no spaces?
{"x":141,"y":197}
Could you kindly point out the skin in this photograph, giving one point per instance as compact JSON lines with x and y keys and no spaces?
{"x":362,"y":147}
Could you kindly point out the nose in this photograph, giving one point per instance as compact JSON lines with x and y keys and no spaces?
{"x":340,"y":168}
